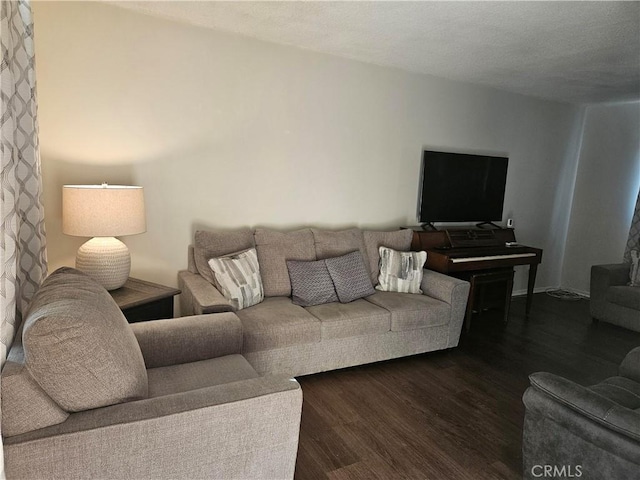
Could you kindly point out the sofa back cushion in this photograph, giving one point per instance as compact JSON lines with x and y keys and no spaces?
{"x":399,"y":240}
{"x":274,"y":250}
{"x":210,"y":244}
{"x":78,"y":345}
{"x":330,"y":243}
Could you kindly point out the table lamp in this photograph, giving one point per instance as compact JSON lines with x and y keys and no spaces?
{"x":103,"y":212}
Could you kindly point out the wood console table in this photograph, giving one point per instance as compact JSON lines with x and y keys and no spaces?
{"x":466,"y":261}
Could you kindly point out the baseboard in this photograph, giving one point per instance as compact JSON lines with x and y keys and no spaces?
{"x":520,"y":293}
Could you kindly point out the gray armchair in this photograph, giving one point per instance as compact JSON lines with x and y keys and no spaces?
{"x":589,"y":432}
{"x":198,"y":409}
{"x":612,"y":299}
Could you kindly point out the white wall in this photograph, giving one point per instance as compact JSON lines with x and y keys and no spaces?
{"x":606,"y":189}
{"x":225,"y":131}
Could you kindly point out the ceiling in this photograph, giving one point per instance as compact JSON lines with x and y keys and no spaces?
{"x":578,"y":52}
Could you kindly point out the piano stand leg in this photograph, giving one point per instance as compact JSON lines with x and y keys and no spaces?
{"x":470,"y":301}
{"x":533,"y":269}
{"x":507,"y":300}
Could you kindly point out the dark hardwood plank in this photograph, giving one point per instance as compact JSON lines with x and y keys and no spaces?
{"x":454,"y":414}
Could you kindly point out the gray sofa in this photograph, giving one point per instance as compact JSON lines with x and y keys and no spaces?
{"x":612,"y":299}
{"x":86,"y":395}
{"x":588,"y":432}
{"x":283,"y":338}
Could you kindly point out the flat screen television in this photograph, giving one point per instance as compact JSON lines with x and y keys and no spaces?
{"x":458,"y":187}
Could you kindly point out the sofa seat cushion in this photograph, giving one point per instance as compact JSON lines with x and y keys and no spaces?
{"x":274,"y":249}
{"x":341,"y":320}
{"x":78,"y":345}
{"x":625,"y":296}
{"x":410,"y":311}
{"x":621,"y":390}
{"x":25,"y":406}
{"x":185,"y":377}
{"x":277,"y":323}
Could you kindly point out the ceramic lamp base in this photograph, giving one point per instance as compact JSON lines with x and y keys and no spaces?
{"x":106,"y":260}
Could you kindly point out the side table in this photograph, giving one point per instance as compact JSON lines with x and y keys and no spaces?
{"x":140,"y":300}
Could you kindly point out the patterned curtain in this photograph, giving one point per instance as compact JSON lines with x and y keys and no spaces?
{"x":22,"y":239}
{"x":634,"y":233}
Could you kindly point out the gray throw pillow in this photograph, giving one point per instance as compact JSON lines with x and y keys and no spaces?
{"x":78,"y":345}
{"x":350,"y":277}
{"x":311,"y":283}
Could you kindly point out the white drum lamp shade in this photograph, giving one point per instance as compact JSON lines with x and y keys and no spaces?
{"x":103,"y":212}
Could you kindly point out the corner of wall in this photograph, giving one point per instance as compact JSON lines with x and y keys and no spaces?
{"x":566,"y":187}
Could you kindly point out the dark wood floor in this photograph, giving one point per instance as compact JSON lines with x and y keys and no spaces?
{"x":456,"y":414}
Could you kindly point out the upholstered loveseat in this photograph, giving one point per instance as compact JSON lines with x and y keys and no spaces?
{"x":86,"y":395}
{"x":612,"y":299}
{"x":571,"y":431}
{"x":282,"y":337}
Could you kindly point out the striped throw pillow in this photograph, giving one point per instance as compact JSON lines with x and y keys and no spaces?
{"x":237,"y":276}
{"x":634,"y":273}
{"x":400,"y":271}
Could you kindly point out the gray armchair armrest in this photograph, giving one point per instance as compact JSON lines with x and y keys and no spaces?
{"x":244,"y":429}
{"x":199,"y":296}
{"x":630,"y":366}
{"x":188,"y":339}
{"x":605,"y":276}
{"x":566,"y":424}
{"x":585,"y":402}
{"x":451,"y":290}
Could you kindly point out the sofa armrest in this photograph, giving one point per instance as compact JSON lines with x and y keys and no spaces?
{"x":630,"y":366}
{"x":188,"y":339}
{"x":450,"y":290}
{"x":443,"y":287}
{"x":199,"y":296}
{"x":583,"y":401}
{"x":245,"y":429}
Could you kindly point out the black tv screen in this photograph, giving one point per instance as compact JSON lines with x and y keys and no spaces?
{"x":457,"y":187}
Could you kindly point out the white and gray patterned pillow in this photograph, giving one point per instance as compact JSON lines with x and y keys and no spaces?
{"x":237,"y":276}
{"x":634,"y":273}
{"x":350,"y":277}
{"x":400,"y":271}
{"x":311,"y":283}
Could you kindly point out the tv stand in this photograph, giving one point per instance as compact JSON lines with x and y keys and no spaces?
{"x":480,"y":225}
